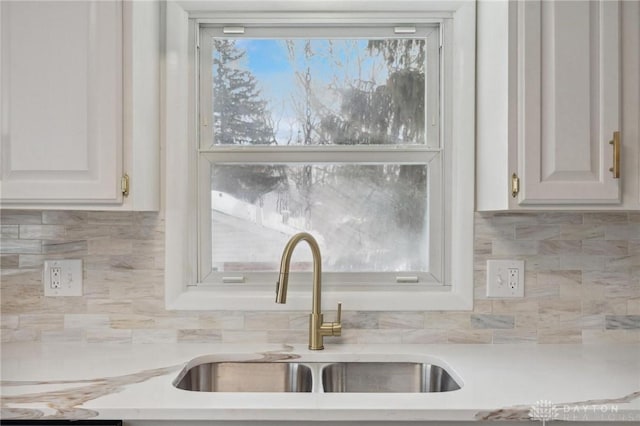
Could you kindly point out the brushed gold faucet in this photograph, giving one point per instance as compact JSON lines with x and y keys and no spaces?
{"x":317,"y":328}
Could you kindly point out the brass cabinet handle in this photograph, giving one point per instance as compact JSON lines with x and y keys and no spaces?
{"x":515,"y":185}
{"x":124,"y":185}
{"x":616,"y":155}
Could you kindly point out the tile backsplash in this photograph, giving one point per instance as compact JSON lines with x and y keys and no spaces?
{"x":582,"y":285}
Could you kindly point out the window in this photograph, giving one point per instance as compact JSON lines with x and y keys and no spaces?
{"x":355,"y":127}
{"x":335,"y":132}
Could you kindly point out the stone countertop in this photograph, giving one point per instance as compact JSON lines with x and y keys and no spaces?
{"x":499,"y":382}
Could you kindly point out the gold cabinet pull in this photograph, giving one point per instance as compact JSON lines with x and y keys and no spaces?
{"x":616,"y":155}
{"x":515,"y":185}
{"x":124,"y":185}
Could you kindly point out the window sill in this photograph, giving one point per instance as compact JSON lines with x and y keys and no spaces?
{"x":264,"y":300}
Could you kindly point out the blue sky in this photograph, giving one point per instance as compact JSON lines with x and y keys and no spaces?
{"x":334,"y":62}
{"x":265,"y":56}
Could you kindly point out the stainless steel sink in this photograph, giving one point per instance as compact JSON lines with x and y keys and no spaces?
{"x":246,"y":377}
{"x":316,"y":377}
{"x":386,"y":377}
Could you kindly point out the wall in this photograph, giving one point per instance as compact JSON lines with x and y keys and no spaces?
{"x":582,"y":286}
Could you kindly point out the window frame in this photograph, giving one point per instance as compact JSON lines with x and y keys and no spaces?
{"x":428,"y":154}
{"x":180,"y":142}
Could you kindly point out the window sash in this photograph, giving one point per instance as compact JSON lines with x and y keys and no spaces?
{"x":431,"y":33}
{"x":436,"y":219}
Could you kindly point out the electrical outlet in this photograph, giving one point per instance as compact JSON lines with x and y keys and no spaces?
{"x":514,"y":277}
{"x":505,"y":278}
{"x":62,"y":277}
{"x":56,"y":274}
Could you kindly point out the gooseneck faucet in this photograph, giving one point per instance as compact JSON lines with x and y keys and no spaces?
{"x":317,"y":328}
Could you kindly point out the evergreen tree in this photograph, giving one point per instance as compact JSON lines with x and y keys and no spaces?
{"x":240,"y":115}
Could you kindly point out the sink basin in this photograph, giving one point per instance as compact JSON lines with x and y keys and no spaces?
{"x":386,"y":377}
{"x":247,"y":377}
{"x":329,"y":377}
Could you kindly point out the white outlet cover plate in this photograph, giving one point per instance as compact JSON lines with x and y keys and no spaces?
{"x":498,"y":278}
{"x":71,"y":277}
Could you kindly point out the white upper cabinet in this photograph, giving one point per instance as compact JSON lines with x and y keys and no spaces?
{"x":62,"y":88}
{"x":549,"y":102}
{"x":68,"y":104}
{"x":569,"y":104}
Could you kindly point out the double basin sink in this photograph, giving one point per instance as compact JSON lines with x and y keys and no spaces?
{"x":325,"y":377}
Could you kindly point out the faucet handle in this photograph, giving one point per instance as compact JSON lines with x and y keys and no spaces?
{"x":336,"y":327}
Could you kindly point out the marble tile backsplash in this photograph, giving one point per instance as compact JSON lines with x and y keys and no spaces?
{"x":582,"y":286}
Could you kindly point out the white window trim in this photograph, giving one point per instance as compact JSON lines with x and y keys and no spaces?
{"x":179,"y":142}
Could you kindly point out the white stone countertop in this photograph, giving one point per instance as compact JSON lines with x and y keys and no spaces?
{"x":499,"y":382}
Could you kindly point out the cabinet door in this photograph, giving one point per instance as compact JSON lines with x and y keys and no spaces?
{"x":569,"y":95}
{"x":61,"y":94}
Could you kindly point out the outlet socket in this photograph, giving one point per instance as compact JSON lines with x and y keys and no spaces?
{"x":56,"y":276}
{"x":505,"y":278}
{"x":62,"y":277}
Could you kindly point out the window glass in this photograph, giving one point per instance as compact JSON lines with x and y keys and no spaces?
{"x":366,"y":217}
{"x":292,"y":92}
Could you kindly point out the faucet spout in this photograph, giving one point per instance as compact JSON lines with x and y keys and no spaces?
{"x":317,"y":328}
{"x":281,"y":288}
